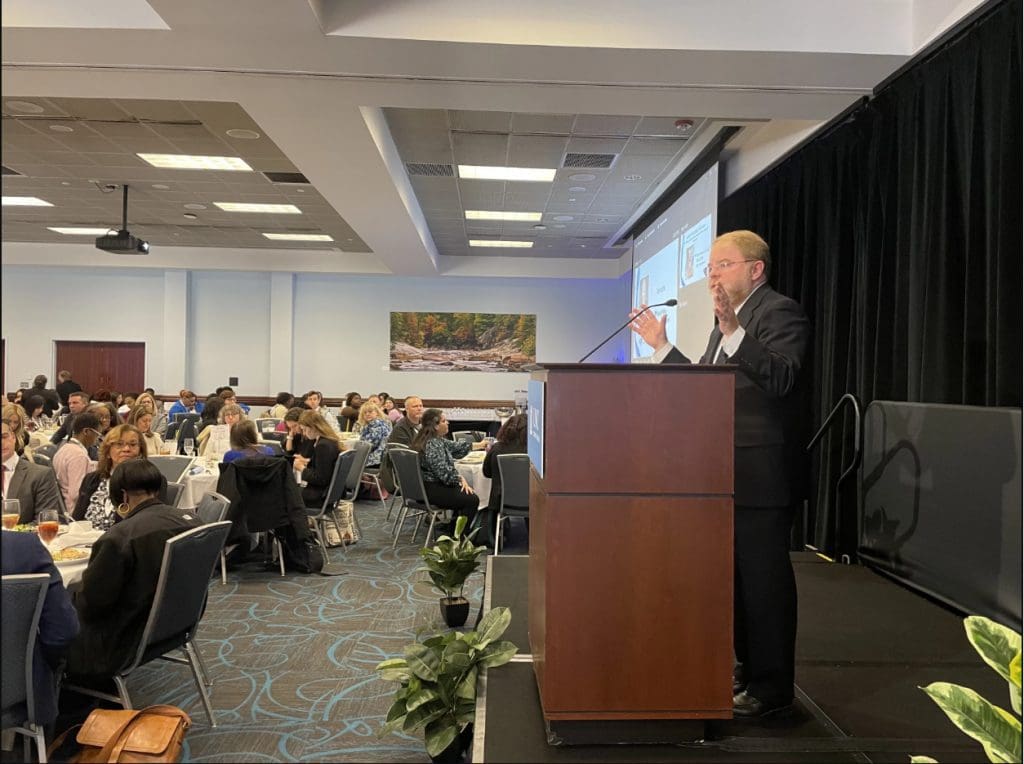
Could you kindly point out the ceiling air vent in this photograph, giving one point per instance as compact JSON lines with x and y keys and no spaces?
{"x":8,"y":171}
{"x":599,"y":161}
{"x":430,"y":170}
{"x":286,"y":177}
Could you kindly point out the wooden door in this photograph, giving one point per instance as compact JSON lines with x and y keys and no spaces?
{"x":95,"y":366}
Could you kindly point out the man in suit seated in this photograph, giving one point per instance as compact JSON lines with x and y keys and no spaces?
{"x":403,"y":433}
{"x":77,"y":403}
{"x":33,"y":485}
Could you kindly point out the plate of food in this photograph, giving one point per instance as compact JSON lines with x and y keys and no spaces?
{"x":71,"y":554}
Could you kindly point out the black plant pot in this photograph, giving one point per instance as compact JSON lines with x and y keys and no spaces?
{"x":455,"y":753}
{"x":455,"y":610}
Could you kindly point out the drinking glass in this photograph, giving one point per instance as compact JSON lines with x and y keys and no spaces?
{"x":190,"y":446}
{"x":47,"y":525}
{"x":12,"y":511}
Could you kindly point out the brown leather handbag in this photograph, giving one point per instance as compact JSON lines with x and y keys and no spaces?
{"x":152,"y":734}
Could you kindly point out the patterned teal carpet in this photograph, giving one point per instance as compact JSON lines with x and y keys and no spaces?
{"x":292,"y":658}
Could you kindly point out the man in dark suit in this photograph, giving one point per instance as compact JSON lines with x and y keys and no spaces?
{"x":403,"y":432}
{"x":65,"y":386}
{"x":77,"y":403}
{"x":23,"y":553}
{"x":766,"y":336}
{"x":33,"y":485}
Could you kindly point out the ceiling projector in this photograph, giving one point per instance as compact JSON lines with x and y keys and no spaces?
{"x":122,"y":242}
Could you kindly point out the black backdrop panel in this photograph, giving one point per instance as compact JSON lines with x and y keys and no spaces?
{"x":941,"y":489}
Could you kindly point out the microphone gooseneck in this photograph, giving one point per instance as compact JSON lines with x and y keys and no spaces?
{"x":666,"y":304}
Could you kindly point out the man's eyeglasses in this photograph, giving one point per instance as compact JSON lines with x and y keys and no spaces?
{"x":97,"y":433}
{"x":725,"y":265}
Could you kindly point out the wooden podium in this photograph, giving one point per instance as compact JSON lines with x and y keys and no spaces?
{"x":631,"y":549}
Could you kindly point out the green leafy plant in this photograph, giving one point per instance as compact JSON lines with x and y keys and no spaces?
{"x":451,"y":560}
{"x":998,"y":731}
{"x":437,"y":679}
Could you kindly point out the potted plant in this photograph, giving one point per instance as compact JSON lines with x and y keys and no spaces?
{"x":437,"y":690}
{"x":449,"y":563}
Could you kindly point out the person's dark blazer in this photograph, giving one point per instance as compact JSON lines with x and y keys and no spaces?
{"x":35,"y":487}
{"x":51,"y":402}
{"x":119,"y":584}
{"x":22,"y":554}
{"x":64,"y":389}
{"x":65,"y":430}
{"x":403,"y":432}
{"x":490,"y":469}
{"x":768,"y":398}
{"x":91,"y":482}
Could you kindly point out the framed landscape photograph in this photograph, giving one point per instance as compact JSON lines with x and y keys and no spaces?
{"x":462,"y":341}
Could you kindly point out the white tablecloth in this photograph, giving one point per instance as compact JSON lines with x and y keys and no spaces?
{"x":40,"y":437}
{"x":473,"y":470}
{"x":197,"y":485}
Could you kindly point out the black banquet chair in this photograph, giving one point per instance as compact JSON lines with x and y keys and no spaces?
{"x":188,"y":562}
{"x":515,"y":491}
{"x":22,"y":601}
{"x":213,"y":508}
{"x":414,"y":495}
{"x":335,"y":492}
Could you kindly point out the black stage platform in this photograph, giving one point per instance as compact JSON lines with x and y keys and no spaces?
{"x":864,"y":646}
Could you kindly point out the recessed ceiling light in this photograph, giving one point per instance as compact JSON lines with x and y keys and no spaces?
{"x":62,"y":128}
{"x":194,"y":206}
{"x":540,"y":227}
{"x":161,"y":186}
{"x":499,"y":215}
{"x":298,"y":236}
{"x":65,"y":182}
{"x":583,"y":176}
{"x":563,"y":217}
{"x":506,"y":244}
{"x":632,"y":178}
{"x":572,"y":200}
{"x":78,"y":231}
{"x":577,"y":189}
{"x":190,"y":216}
{"x":558,"y":225}
{"x":478,"y":172}
{"x":24,"y":107}
{"x":278,"y":209}
{"x":189,"y":162}
{"x":24,"y":201}
{"x":246,"y":135}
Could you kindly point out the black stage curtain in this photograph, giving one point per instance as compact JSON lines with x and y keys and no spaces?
{"x":899,"y":230}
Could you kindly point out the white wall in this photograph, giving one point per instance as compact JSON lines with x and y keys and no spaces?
{"x":329,"y":331}
{"x":40,"y":305}
{"x":758,"y":146}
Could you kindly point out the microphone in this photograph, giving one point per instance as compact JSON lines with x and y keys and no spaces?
{"x":666,"y":304}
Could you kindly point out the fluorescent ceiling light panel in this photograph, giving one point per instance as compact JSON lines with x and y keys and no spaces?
{"x":534,"y":174}
{"x":189,"y":162}
{"x":24,"y":201}
{"x":497,"y":243}
{"x":499,"y":215}
{"x":274,"y":209}
{"x":298,"y":236}
{"x":79,"y":231}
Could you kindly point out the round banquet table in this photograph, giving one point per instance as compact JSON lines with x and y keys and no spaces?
{"x":472,"y":468}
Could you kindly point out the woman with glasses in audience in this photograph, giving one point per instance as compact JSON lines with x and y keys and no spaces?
{"x":215,"y":441}
{"x":15,"y":418}
{"x":245,"y":442}
{"x":316,"y":466}
{"x":445,"y":487}
{"x":107,"y":415}
{"x":142,"y":418}
{"x":159,"y":423}
{"x":122,"y":443}
{"x":375,"y":428}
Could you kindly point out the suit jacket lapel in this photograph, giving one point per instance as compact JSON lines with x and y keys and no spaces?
{"x":16,"y":479}
{"x":713,"y":341}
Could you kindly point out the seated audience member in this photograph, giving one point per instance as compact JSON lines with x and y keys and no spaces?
{"x":77,"y":403}
{"x":107,"y":415}
{"x":65,"y":386}
{"x":294,"y":442}
{"x":33,"y":485}
{"x":120,"y":581}
{"x":123,"y":443}
{"x":51,"y":401}
{"x":245,"y":442}
{"x":391,"y":410}
{"x":159,"y":423}
{"x":282,"y":403}
{"x":445,"y":487}
{"x":317,"y":469}
{"x":403,"y":432}
{"x":215,"y":441}
{"x":211,"y":413}
{"x":186,"y":404}
{"x":24,"y":554}
{"x":375,"y":430}
{"x":229,"y":397}
{"x":314,"y":401}
{"x":35,"y":411}
{"x":142,"y":417}
{"x":102,"y":396}
{"x":511,"y":439}
{"x":127,"y":404}
{"x":19,"y":396}
{"x":350,"y":411}
{"x":14,"y":417}
{"x":72,"y":462}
